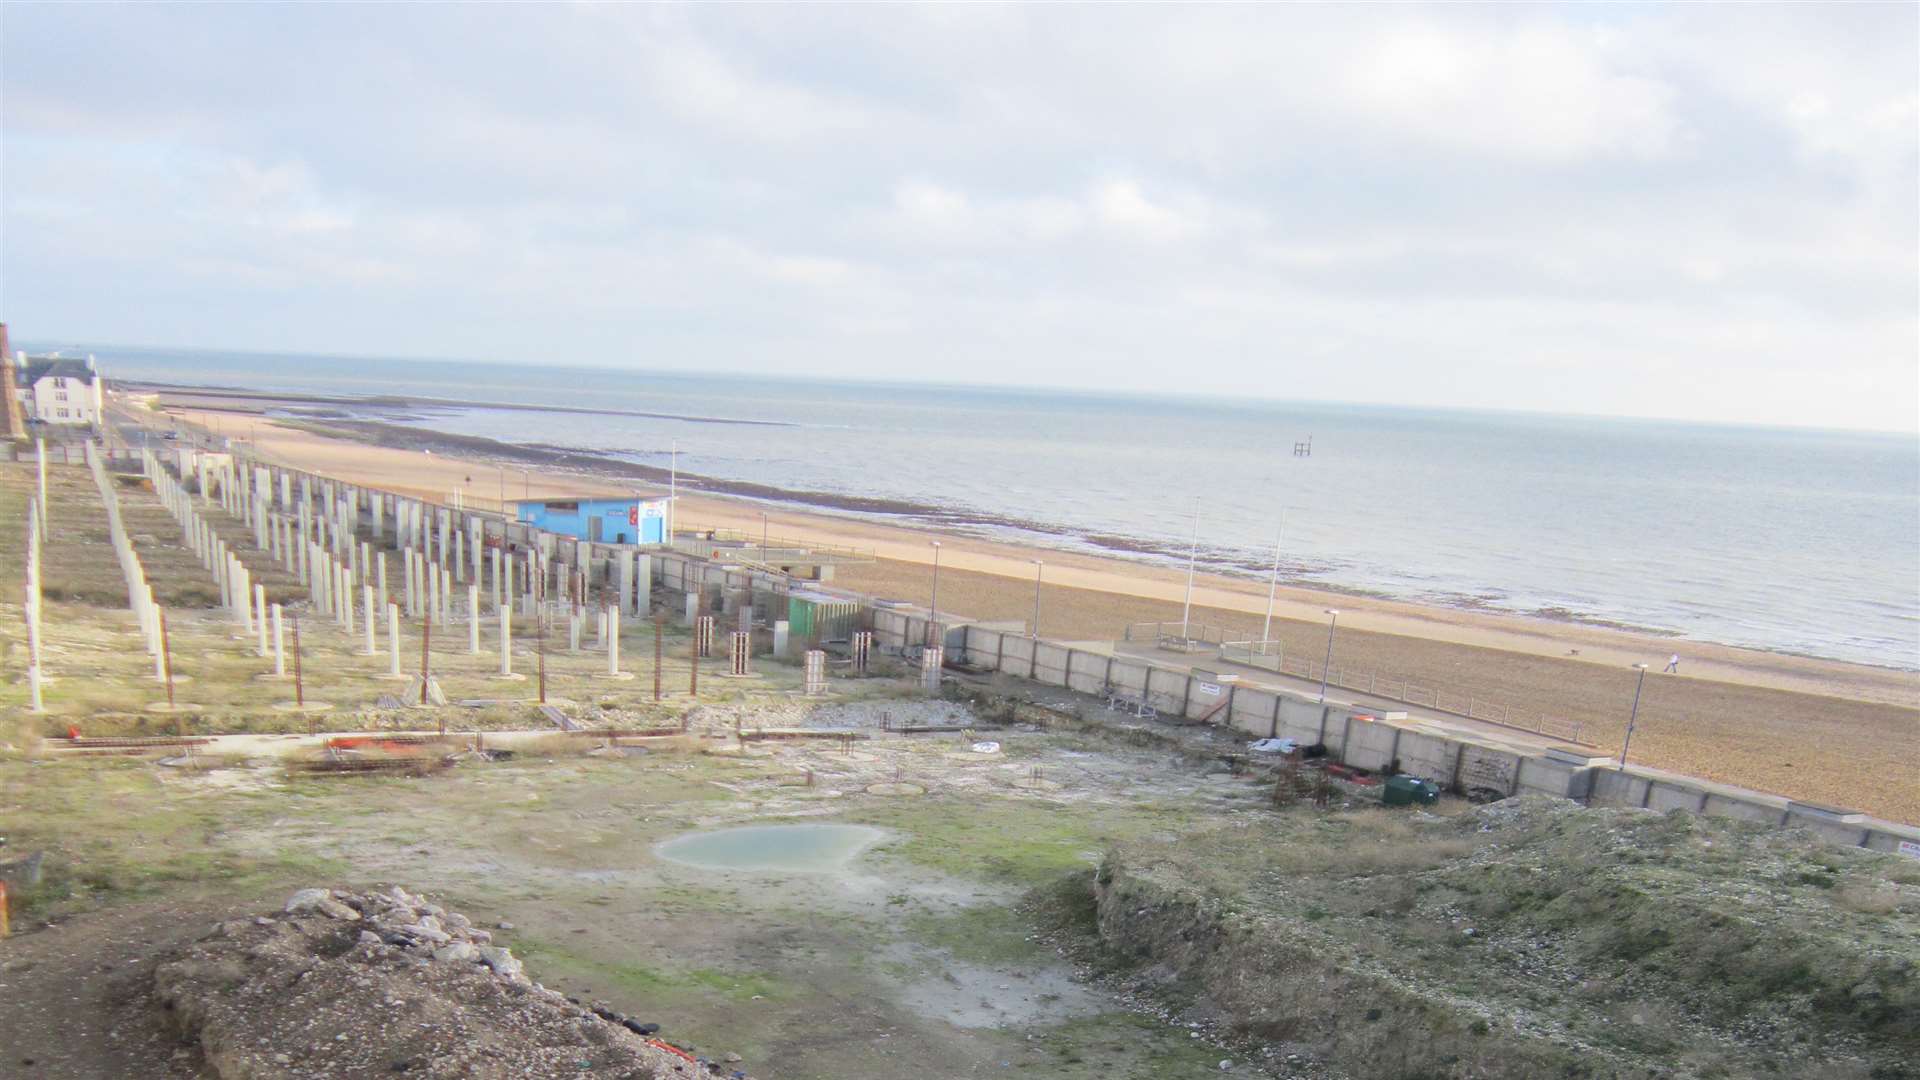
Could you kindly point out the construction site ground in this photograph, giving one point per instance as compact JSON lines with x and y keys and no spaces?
{"x":966,"y":942}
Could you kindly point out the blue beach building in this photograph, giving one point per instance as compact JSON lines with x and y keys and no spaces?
{"x":634,"y":519}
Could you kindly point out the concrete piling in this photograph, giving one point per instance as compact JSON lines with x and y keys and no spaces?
{"x":260,"y":622}
{"x":371,"y":647}
{"x":393,"y":642}
{"x":816,"y":673}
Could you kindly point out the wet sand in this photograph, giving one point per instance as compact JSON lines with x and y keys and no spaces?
{"x":1815,"y":729}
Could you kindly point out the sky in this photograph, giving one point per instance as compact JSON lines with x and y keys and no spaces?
{"x":1694,"y":211}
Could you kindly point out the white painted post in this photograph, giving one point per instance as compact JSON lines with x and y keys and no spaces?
{"x":476,"y":546}
{"x":381,"y":583}
{"x":406,"y":559}
{"x":393,"y":639}
{"x":473,"y":620}
{"x":506,"y":642}
{"x":243,"y":597}
{"x":41,"y":465}
{"x":627,"y":602}
{"x":613,"y":641}
{"x":260,"y":619}
{"x":372,"y":647}
{"x":279,"y":645}
{"x":496,"y":577}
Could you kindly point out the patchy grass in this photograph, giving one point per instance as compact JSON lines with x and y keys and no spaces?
{"x":555,"y":961}
{"x":1650,"y":938}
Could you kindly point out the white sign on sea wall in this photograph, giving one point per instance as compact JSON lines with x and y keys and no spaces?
{"x":1909,"y":848}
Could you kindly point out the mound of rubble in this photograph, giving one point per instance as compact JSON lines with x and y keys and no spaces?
{"x":344,"y":984}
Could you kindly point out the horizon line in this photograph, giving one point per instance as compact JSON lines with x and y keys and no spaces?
{"x":1039,"y":387}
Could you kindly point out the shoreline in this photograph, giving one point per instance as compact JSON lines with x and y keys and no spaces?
{"x":924,"y":516}
{"x":974,"y":526}
{"x":830,"y":518}
{"x":1817,"y":730}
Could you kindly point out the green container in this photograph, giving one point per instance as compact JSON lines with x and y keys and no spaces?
{"x":826,"y":617}
{"x":1404,"y":790}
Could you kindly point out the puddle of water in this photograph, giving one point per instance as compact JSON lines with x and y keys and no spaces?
{"x":817,"y":847}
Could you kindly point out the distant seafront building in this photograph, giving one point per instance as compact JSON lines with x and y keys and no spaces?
{"x":59,"y":389}
{"x":13,"y":421}
{"x":631,"y":520}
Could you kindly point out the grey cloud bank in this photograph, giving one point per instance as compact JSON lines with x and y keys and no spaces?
{"x":1705,"y":212}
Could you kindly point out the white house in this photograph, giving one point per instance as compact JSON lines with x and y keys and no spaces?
{"x":60,"y":390}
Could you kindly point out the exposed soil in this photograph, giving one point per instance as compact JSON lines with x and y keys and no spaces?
{"x":345,"y":984}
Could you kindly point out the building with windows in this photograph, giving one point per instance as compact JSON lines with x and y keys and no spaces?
{"x":636,"y":519}
{"x":60,"y":390}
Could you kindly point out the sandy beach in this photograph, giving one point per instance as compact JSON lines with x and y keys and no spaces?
{"x":1815,"y":729}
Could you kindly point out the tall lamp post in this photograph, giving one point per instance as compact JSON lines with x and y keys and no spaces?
{"x":933,"y":606}
{"x":1273,"y":583}
{"x":1038,"y":567}
{"x":1193,"y":556}
{"x":1635,"y":714}
{"x":1326,"y":665}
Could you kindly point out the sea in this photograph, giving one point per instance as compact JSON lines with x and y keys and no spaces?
{"x":1794,"y":540}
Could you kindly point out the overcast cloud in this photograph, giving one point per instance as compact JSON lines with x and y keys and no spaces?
{"x":1687,"y":210}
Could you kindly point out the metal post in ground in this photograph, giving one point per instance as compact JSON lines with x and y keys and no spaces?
{"x":1038,"y":568}
{"x":1326,"y":666}
{"x":299,"y":686}
{"x":1273,"y":583}
{"x":933,"y":604}
{"x":1193,"y":557}
{"x":1631,"y":717}
{"x":426,"y":658}
{"x":166,"y":658}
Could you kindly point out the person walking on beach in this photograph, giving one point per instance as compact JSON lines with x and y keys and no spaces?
{"x":1673,"y":664}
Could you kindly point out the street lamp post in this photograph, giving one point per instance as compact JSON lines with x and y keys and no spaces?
{"x":1038,"y":567}
{"x":1273,"y":583}
{"x":1635,"y":714}
{"x":1326,"y":666}
{"x":933,"y":606}
{"x":1193,"y":556}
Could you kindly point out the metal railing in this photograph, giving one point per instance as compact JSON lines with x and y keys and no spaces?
{"x":747,"y":545}
{"x":1468,"y":705}
{"x":1173,"y":635}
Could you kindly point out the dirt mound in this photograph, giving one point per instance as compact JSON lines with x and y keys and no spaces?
{"x":1529,"y":939}
{"x":384,"y":983}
